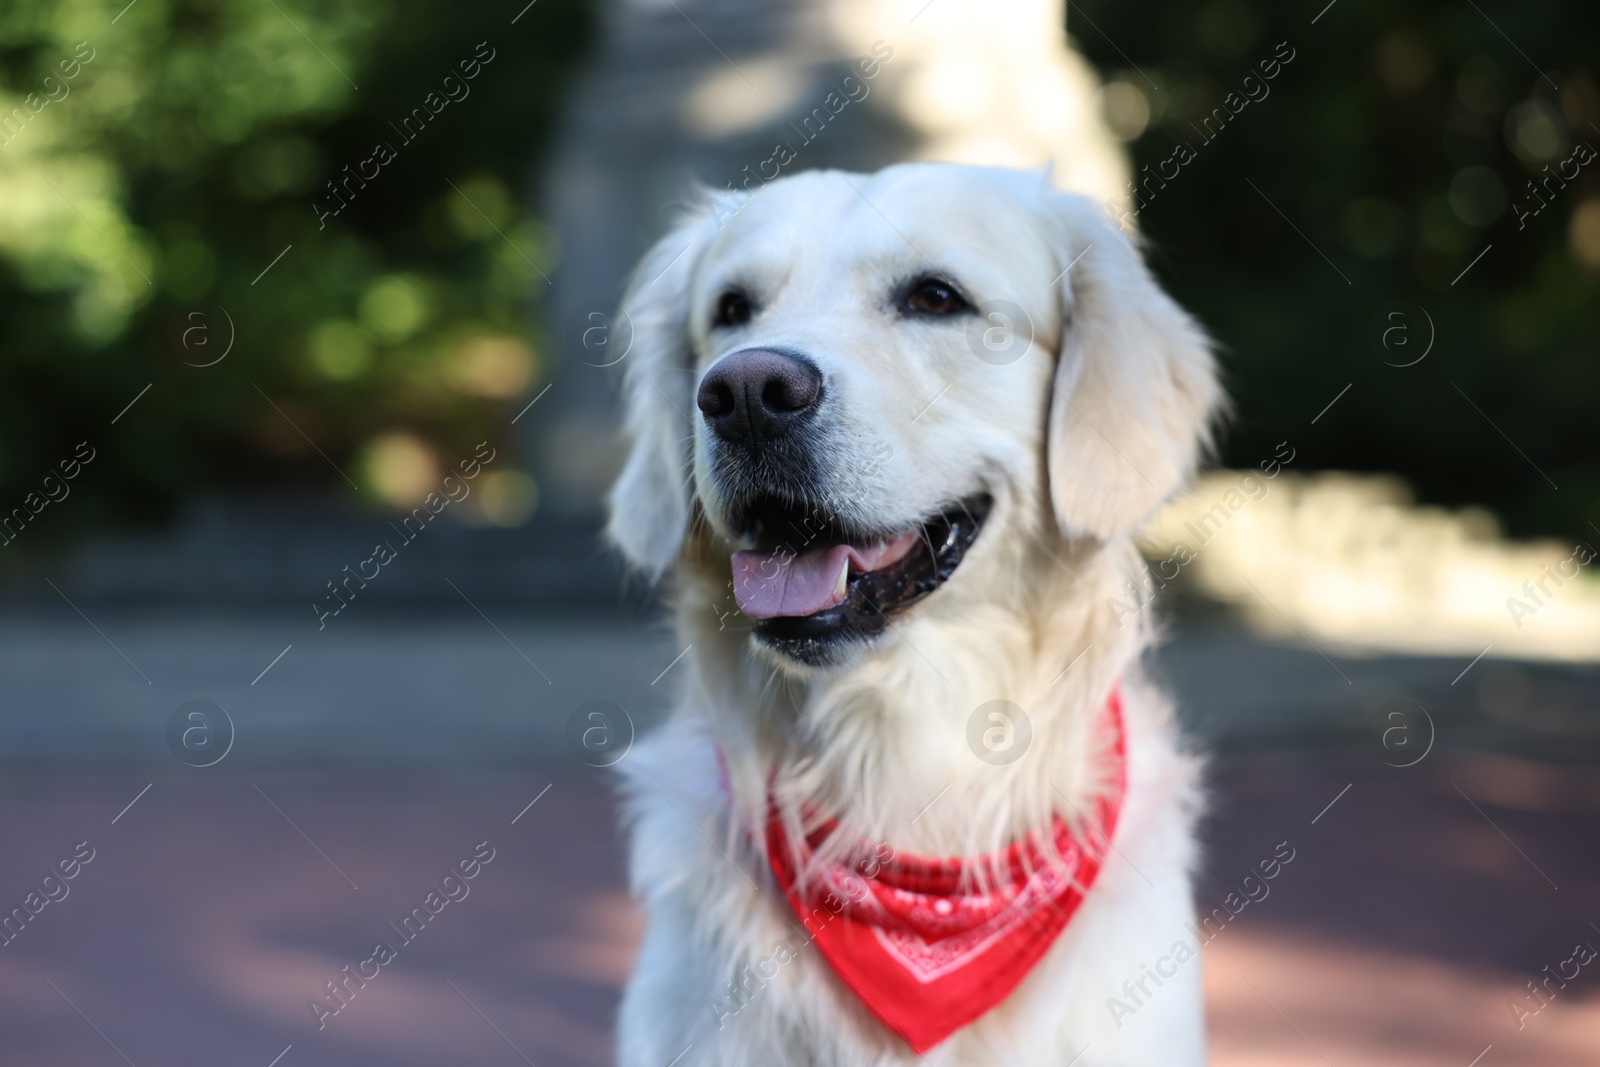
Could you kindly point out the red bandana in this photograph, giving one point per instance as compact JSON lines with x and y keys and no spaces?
{"x":928,"y":951}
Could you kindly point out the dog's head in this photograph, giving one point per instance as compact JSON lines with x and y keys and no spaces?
{"x":866,"y":384}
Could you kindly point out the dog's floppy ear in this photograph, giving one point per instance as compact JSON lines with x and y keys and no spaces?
{"x":650,"y":500}
{"x":1135,"y":388}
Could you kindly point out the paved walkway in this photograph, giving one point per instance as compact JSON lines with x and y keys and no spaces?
{"x":371,"y":757}
{"x":215,"y":907}
{"x":387,"y":686}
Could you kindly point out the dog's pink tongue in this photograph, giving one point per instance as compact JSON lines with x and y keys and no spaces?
{"x":771,"y":583}
{"x":774,"y":583}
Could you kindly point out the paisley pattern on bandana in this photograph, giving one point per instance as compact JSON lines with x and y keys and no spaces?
{"x":929,"y":945}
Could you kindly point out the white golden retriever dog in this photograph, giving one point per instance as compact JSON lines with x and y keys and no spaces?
{"x":892,"y":435}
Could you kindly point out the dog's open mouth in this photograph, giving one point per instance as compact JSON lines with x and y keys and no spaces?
{"x":811,"y":583}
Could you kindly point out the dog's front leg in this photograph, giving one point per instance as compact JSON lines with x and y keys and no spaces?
{"x":658,"y":1021}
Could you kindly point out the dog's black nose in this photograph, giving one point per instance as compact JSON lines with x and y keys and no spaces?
{"x":758,"y":395}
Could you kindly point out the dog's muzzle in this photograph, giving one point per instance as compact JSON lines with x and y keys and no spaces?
{"x":808,"y":571}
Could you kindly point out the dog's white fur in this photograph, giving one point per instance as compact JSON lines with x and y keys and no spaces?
{"x":1078,"y":440}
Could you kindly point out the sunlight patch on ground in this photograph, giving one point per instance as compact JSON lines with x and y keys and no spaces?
{"x":1351,"y":563}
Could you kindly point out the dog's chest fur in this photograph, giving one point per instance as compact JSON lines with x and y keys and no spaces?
{"x":727,"y":972}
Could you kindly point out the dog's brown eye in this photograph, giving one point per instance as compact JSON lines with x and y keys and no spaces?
{"x":934,"y":296}
{"x":733,"y":309}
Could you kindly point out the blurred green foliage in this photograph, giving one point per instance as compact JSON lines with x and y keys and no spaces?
{"x":156,"y":158}
{"x":1400,"y":141}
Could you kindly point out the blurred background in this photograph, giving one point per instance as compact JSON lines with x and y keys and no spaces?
{"x":271,"y":269}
